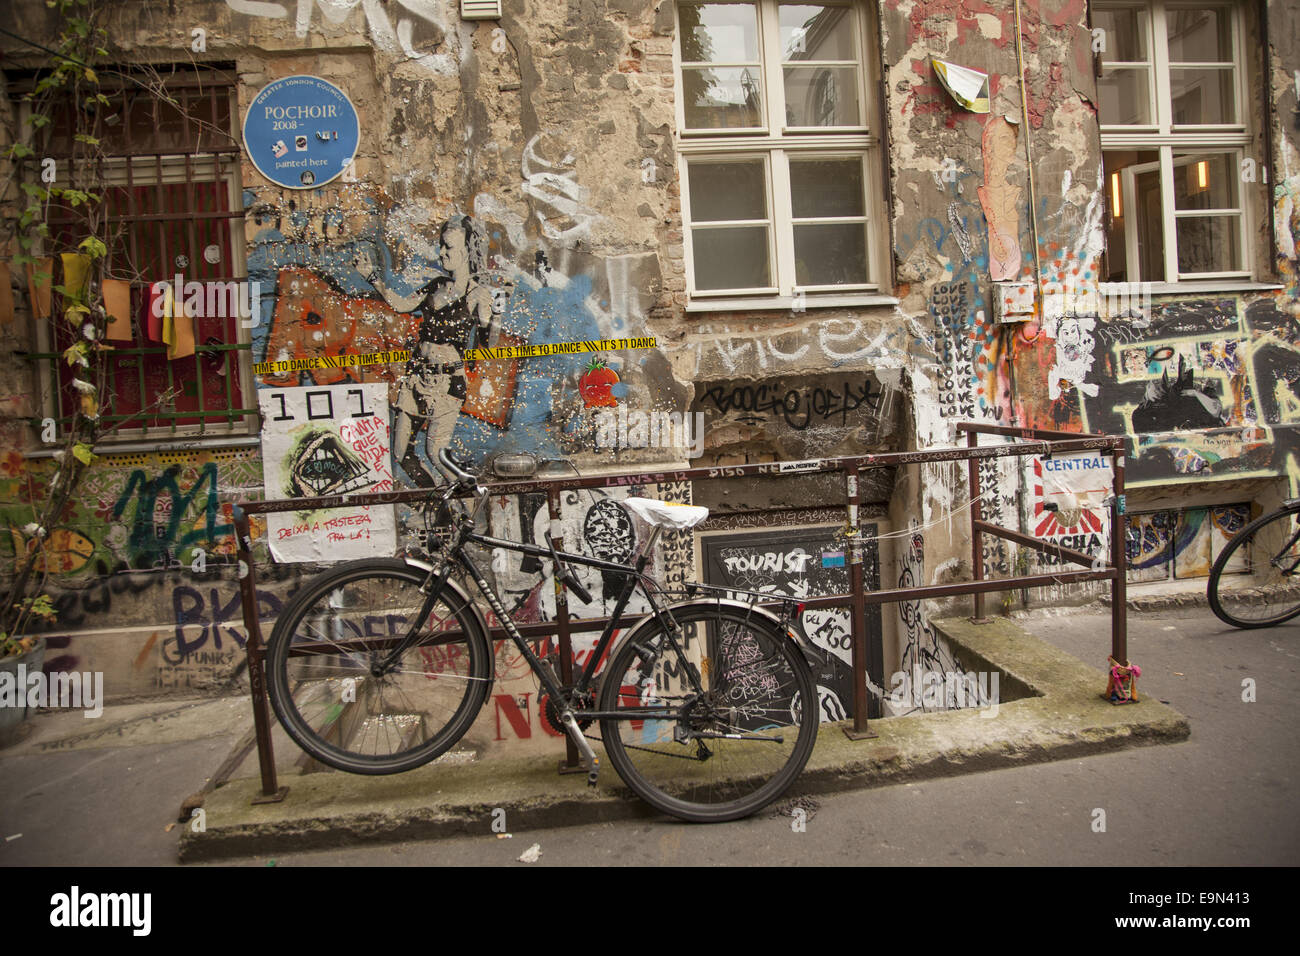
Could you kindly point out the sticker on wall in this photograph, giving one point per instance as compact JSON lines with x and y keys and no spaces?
{"x":312,"y":114}
{"x":968,"y":87}
{"x":328,"y":441}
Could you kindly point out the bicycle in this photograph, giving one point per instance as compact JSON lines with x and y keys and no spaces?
{"x":1271,"y":542}
{"x":707,"y":707}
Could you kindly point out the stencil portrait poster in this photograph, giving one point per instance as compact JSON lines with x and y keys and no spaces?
{"x":328,"y":441}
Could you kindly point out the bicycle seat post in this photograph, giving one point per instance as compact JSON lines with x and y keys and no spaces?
{"x":646,"y":552}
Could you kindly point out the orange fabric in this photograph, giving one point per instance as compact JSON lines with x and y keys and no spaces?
{"x":6,"y":294}
{"x":117,"y":303}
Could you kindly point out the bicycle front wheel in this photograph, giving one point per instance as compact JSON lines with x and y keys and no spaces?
{"x":723,"y":753}
{"x":1270,"y":548}
{"x":338,"y":702}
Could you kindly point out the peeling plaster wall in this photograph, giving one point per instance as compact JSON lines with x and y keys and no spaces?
{"x":546,"y":139}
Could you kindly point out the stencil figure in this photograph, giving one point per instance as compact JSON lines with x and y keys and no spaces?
{"x":456,"y":314}
{"x":1074,"y":345}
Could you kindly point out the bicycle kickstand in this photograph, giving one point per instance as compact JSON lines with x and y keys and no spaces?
{"x":589,"y":756}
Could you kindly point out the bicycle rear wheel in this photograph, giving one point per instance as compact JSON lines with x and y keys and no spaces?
{"x":322,"y":657}
{"x":1270,"y":547}
{"x":730,"y":752}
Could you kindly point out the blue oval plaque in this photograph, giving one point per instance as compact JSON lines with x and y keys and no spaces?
{"x":301,"y":132}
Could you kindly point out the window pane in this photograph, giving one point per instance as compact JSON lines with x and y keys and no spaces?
{"x":719,"y":33}
{"x":1202,"y":96}
{"x":1208,"y":244}
{"x":1150,"y":226}
{"x":1125,"y":34}
{"x":814,"y":32}
{"x":726,"y":192}
{"x":731,"y":258}
{"x":1138,"y":210}
{"x":821,"y":96}
{"x":830,"y":254}
{"x":1205,"y":181}
{"x":1125,"y":96}
{"x":826,"y":188}
{"x":1199,"y":36}
{"x":722,"y":98}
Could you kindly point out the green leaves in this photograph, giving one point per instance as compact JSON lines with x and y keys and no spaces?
{"x":93,"y":247}
{"x":83,"y":453}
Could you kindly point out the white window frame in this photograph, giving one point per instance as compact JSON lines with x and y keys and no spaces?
{"x":777,"y":144}
{"x":1165,"y":138}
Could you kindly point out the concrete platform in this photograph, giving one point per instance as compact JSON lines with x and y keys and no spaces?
{"x":1061,"y":715}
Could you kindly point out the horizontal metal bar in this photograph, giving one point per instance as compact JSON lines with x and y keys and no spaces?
{"x":774,"y":469}
{"x":1030,"y":434}
{"x":1067,"y":554}
{"x":161,"y":216}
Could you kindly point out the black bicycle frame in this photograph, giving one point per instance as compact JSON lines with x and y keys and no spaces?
{"x":633,"y":578}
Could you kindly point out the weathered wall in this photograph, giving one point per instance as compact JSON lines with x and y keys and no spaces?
{"x":545,"y":142}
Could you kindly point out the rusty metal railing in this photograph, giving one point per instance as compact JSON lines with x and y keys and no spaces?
{"x":1028,"y":442}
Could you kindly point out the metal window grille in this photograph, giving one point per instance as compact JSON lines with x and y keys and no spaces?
{"x":173,"y":205}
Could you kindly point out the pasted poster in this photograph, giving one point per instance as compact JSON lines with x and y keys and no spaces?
{"x":328,"y":441}
{"x":808,"y":563}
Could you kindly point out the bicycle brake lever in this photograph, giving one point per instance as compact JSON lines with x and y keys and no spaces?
{"x":571,"y":582}
{"x":564,"y":574}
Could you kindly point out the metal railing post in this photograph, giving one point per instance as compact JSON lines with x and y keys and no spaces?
{"x":570,"y":762}
{"x":976,"y":515}
{"x":1119,"y":563}
{"x":858,"y":608}
{"x":271,"y":791}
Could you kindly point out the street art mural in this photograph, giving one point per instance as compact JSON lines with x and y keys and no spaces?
{"x":370,"y":276}
{"x":1206,"y":388}
{"x":1183,"y":544}
{"x":155,"y":511}
{"x":923,"y":649}
{"x":807,"y":563}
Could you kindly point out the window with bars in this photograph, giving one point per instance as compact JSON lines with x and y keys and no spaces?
{"x":169,"y":175}
{"x":779,"y":159}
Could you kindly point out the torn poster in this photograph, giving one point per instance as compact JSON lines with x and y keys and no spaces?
{"x":328,"y":441}
{"x":1076,"y":481}
{"x":968,"y":87}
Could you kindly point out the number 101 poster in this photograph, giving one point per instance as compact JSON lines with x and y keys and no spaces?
{"x":327,"y":441}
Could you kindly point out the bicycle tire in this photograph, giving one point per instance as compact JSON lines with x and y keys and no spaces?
{"x":757,"y":683}
{"x":435,"y":692}
{"x":1284,"y":586}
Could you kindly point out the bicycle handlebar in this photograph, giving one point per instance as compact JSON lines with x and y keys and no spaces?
{"x":460,"y":474}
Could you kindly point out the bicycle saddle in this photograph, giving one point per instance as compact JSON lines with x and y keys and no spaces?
{"x":663,"y":514}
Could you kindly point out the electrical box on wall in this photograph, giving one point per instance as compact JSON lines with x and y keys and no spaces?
{"x":1013,"y":302}
{"x":480,"y":9}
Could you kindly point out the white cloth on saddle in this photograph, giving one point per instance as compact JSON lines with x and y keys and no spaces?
{"x":666,"y":515}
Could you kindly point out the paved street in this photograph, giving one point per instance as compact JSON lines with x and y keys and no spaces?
{"x":1225,"y":797}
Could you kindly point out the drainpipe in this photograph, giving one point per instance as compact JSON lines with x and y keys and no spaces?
{"x":1022,"y":507}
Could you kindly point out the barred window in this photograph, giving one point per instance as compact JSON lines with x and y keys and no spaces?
{"x":172,"y":208}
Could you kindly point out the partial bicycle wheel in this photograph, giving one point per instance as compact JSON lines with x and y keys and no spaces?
{"x":328,"y":690}
{"x":730,"y":751}
{"x":1269,"y":547}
